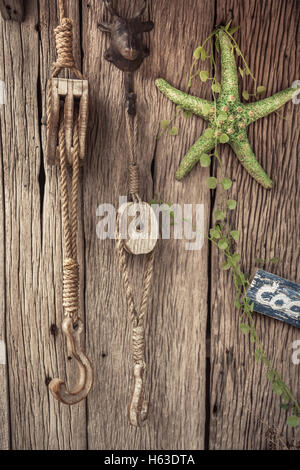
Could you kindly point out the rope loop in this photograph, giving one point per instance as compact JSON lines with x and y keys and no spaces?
{"x":64,"y":44}
{"x":134,"y":180}
{"x":138,"y":345}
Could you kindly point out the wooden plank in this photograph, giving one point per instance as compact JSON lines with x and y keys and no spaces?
{"x":276,"y":297}
{"x":66,"y":426}
{"x":176,"y":323}
{"x":33,"y":241}
{"x":241,"y":395}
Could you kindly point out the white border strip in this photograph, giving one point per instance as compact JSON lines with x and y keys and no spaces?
{"x":2,"y":353}
{"x":2,"y":92}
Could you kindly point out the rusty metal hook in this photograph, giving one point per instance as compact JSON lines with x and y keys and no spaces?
{"x":138,"y":408}
{"x":58,"y":387}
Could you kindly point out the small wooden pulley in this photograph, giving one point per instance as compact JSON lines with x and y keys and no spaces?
{"x":73,"y":97}
{"x":138,"y":227}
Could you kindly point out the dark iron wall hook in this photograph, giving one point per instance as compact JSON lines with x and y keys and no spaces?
{"x":127,"y":50}
{"x":12,"y":10}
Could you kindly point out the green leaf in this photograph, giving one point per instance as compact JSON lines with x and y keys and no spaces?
{"x":219,"y":215}
{"x":257,"y":355}
{"x":245,"y":95}
{"x":227,"y":183}
{"x":223,"y":245}
{"x":277,"y":389}
{"x":226,"y":265}
{"x":260,"y":90}
{"x":208,"y":133}
{"x":284,"y":406}
{"x":270,"y":375}
{"x":231,"y":203}
{"x":247,"y":70}
{"x":174,"y":131}
{"x":216,"y":87}
{"x":188,"y":114}
{"x":245,"y":329}
{"x":235,"y":235}
{"x":211,"y":183}
{"x":233,"y":30}
{"x":241,"y":72}
{"x":203,"y":54}
{"x":204,"y":75}
{"x":197,"y":52}
{"x":259,"y":261}
{"x":293,"y":421}
{"x":215,"y":233}
{"x":236,"y":258}
{"x":165,"y":124}
{"x":205,"y":160}
{"x":274,"y":260}
{"x":224,"y":139}
{"x":238,"y":51}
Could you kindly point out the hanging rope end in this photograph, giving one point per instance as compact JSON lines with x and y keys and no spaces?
{"x":138,"y":408}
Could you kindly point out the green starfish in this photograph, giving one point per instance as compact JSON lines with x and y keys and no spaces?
{"x":231,"y":117}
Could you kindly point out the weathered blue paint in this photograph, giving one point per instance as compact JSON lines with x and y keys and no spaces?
{"x":276,"y":297}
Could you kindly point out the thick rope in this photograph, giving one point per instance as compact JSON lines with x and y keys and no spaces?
{"x":134,"y":175}
{"x":65,"y":60}
{"x":64,"y":49}
{"x":70,"y":224}
{"x":136,"y":315}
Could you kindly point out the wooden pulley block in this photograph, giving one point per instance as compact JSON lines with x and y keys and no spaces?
{"x":69,"y":94}
{"x":12,"y":10}
{"x":138,"y":227}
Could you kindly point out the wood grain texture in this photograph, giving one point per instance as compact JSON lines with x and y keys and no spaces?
{"x":241,"y":395}
{"x":192,"y":302}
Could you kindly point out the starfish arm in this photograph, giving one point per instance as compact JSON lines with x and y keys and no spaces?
{"x":243,"y":151}
{"x":229,"y":76}
{"x":191,"y":103}
{"x":203,"y":145}
{"x":267,"y":106}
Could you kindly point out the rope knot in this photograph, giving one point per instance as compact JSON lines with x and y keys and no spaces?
{"x":138,"y":345}
{"x":71,"y":287}
{"x":64,"y":44}
{"x":134,"y":179}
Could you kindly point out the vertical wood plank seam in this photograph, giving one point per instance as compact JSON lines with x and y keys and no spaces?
{"x":209,"y":303}
{"x":83,"y":265}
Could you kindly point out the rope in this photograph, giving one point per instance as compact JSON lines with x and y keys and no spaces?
{"x":136,"y":316}
{"x":64,"y":49}
{"x":65,"y":59}
{"x":70,"y":224}
{"x":134,"y":176}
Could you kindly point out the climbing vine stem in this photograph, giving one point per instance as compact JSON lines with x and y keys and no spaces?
{"x":221,"y":235}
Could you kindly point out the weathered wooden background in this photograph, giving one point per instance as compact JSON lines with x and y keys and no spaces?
{"x":205,"y":388}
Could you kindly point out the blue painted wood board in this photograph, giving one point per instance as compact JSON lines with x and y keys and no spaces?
{"x":276,"y":297}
